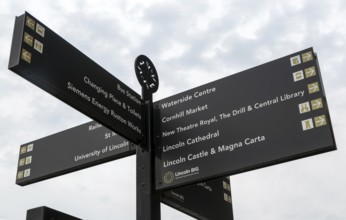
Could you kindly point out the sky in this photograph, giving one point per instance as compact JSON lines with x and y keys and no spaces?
{"x":191,"y":43}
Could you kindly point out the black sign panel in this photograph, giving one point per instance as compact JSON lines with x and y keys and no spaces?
{"x":209,"y":200}
{"x":74,"y":149}
{"x":263,"y":116}
{"x":45,"y":213}
{"x":51,"y":63}
{"x":91,"y":144}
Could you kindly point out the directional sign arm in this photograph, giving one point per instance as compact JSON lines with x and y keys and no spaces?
{"x":69,"y":75}
{"x":249,"y":120}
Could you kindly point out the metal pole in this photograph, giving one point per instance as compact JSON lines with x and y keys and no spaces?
{"x":148,"y":200}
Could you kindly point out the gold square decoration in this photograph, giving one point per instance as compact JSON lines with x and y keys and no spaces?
{"x":317,"y":104}
{"x":28,"y":39}
{"x":20,"y":175}
{"x":26,"y":55}
{"x":304,"y":107}
{"x":320,"y":121}
{"x":297,"y":76}
{"x":28,"y":160}
{"x":27,"y":172}
{"x":228,"y":187}
{"x":310,"y":72}
{"x":295,"y":60}
{"x":30,"y":22}
{"x":23,"y":150}
{"x":307,"y":56}
{"x":313,"y":87}
{"x":229,"y":199}
{"x":40,"y":30}
{"x":307,"y":124}
{"x":21,"y":162}
{"x":38,"y":46}
{"x":224,"y":184}
{"x":30,"y":147}
{"x":225,"y":196}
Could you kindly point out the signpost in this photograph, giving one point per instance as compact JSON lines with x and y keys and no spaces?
{"x":51,"y":63}
{"x":272,"y":113}
{"x":45,"y":213}
{"x":74,"y":149}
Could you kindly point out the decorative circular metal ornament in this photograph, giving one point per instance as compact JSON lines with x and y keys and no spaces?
{"x":168,"y":177}
{"x":146,"y":73}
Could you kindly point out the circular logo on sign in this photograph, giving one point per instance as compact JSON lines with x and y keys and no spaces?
{"x":168,"y":177}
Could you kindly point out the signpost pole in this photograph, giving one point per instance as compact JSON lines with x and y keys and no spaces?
{"x":148,"y":199}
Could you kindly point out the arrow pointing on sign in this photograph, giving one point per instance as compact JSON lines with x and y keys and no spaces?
{"x":317,"y":104}
{"x":307,"y":56}
{"x":313,"y":87}
{"x":31,"y":23}
{"x":310,"y":72}
{"x":320,"y":120}
{"x":26,"y":55}
{"x":28,"y":39}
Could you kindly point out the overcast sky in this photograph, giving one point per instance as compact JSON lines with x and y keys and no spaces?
{"x":191,"y":43}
